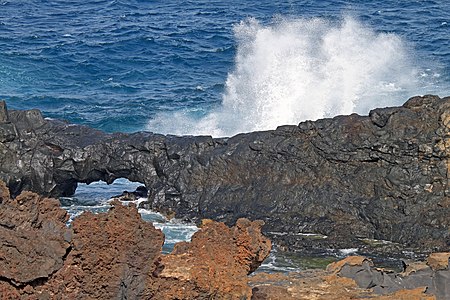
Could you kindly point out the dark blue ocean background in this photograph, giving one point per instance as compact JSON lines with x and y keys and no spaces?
{"x":215,"y":67}
{"x":117,"y":65}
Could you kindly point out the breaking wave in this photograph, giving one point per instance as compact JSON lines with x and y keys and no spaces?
{"x":303,"y":69}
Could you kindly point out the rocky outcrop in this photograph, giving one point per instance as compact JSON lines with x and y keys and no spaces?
{"x":117,"y":255}
{"x":112,"y":257}
{"x":217,"y":259}
{"x":432,"y":276}
{"x":34,"y":240}
{"x":355,"y":277}
{"x":102,"y":256}
{"x":383,"y":176}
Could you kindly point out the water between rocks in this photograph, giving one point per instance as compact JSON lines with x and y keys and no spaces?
{"x":96,"y":198}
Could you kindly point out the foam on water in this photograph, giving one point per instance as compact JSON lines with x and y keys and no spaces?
{"x":96,"y":198}
{"x":299,"y":69}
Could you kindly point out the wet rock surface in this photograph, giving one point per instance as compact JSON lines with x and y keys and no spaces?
{"x":140,"y":192}
{"x":384,"y":176}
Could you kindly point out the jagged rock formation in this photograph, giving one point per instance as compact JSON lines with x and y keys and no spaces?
{"x":383,"y":176}
{"x":215,"y":264}
{"x":34,"y":240}
{"x":117,"y":255}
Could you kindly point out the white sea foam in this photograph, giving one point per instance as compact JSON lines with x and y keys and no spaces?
{"x":348,"y":251}
{"x":295,"y":70}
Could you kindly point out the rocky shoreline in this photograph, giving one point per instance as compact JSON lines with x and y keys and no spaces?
{"x":117,"y":255}
{"x":351,"y":179}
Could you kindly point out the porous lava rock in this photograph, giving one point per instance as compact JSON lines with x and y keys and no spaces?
{"x":112,"y":257}
{"x":117,"y":255}
{"x":215,"y":263}
{"x":33,"y":237}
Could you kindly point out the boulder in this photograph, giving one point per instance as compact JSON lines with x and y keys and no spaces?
{"x":438,"y":261}
{"x":430,"y":277}
{"x":140,"y":192}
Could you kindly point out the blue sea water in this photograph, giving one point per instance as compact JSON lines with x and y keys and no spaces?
{"x":216,"y":67}
{"x":190,"y":66}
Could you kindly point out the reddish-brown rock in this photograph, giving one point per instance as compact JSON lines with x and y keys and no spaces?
{"x":33,"y":237}
{"x":113,"y":256}
{"x":117,"y":255}
{"x":215,"y":264}
{"x":336,"y":267}
{"x":438,"y":261}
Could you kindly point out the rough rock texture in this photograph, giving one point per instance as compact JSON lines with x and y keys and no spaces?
{"x":103,"y":256}
{"x":216,"y":262}
{"x":438,"y":261}
{"x":112,"y":257}
{"x":319,"y":285}
{"x":33,"y":237}
{"x":384,"y":176}
{"x":117,"y":255}
{"x":433,"y":276}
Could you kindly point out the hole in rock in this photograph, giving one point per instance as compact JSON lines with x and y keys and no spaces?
{"x":96,"y":196}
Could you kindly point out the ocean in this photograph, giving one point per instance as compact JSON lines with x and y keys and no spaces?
{"x":215,"y":68}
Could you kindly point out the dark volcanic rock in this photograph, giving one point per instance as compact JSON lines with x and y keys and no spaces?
{"x":354,"y":277}
{"x":140,"y":192}
{"x":382,"y":176}
{"x":433,"y":276}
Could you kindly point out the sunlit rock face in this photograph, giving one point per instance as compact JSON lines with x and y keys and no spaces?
{"x":117,"y":255}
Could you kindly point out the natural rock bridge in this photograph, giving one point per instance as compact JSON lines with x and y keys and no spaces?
{"x":383,"y":176}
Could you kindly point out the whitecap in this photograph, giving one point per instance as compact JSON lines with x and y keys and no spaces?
{"x":302,"y":69}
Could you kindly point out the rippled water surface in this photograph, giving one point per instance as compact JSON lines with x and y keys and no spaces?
{"x":187,"y":66}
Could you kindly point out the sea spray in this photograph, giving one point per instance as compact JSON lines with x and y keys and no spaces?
{"x":302,"y":69}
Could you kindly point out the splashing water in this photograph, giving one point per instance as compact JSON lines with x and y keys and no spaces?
{"x":295,"y":70}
